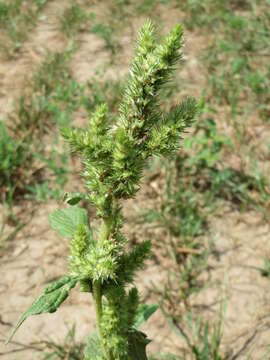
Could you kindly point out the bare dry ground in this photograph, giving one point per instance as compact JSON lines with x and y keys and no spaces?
{"x":37,"y":255}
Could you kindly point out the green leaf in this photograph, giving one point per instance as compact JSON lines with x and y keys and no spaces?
{"x":73,"y":198}
{"x":53,"y":296}
{"x":66,"y":221}
{"x":143,"y":314}
{"x":137,"y":345}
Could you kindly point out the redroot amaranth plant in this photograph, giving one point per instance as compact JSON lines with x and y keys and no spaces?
{"x":113,"y":157}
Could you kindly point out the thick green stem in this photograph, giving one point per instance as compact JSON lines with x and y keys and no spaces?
{"x":97,"y":294}
{"x":98,"y":308}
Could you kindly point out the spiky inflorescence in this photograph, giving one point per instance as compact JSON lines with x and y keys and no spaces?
{"x":113,"y":157}
{"x":114,"y":154}
{"x":118,"y":318}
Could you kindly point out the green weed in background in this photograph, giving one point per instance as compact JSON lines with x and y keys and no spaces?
{"x":233,"y":66}
{"x":69,"y":350}
{"x":145,"y":7}
{"x":75,"y":19}
{"x":265,"y":271}
{"x":52,"y":89}
{"x":209,"y":175}
{"x":105,"y":32}
{"x":236,"y":57}
{"x":13,"y":155}
{"x":209,"y":12}
{"x":203,"y":340}
{"x":13,"y":174}
{"x":51,"y":185}
{"x":17,"y":18}
{"x":101,"y":90}
{"x":50,"y":99}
